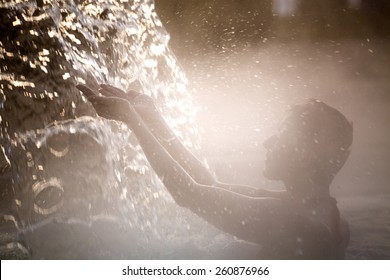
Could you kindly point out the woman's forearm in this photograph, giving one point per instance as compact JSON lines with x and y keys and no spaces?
{"x":174,"y":177}
{"x":192,"y":165}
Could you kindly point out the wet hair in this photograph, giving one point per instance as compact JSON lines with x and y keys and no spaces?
{"x":324,"y":133}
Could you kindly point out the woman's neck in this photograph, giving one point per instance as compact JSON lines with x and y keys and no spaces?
{"x":307,"y":190}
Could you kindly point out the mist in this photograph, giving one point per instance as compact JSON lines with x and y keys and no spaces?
{"x":77,"y":186}
{"x":247,"y":62}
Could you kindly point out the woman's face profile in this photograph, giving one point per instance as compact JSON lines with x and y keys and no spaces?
{"x":283,"y":152}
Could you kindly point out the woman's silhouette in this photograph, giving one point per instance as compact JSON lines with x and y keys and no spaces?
{"x":302,"y":222}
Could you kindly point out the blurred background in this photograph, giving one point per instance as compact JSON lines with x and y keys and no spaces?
{"x":247,"y":61}
{"x":212,"y":24}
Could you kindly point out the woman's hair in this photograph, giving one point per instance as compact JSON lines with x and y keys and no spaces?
{"x":325,"y":133}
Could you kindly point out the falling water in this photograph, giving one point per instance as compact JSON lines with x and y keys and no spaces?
{"x":67,"y":167}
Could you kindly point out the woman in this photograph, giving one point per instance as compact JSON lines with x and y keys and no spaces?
{"x":302,"y":222}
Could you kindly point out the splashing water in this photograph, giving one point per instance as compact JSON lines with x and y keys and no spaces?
{"x":69,"y":166}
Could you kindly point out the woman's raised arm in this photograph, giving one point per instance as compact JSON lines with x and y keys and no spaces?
{"x":246,"y":217}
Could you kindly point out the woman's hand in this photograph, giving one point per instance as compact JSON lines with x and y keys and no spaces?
{"x":142,"y":103}
{"x":115,"y":104}
{"x":108,"y":105}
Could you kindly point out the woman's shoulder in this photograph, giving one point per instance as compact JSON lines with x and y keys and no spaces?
{"x":335,"y":228}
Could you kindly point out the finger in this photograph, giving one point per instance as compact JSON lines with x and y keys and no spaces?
{"x":101,"y":108}
{"x":109,"y":90}
{"x":97,"y":99}
{"x":132,"y":93}
{"x":106,"y":93}
{"x":112,"y":91}
{"x":98,"y":102}
{"x":87,"y":91}
{"x":105,"y":111}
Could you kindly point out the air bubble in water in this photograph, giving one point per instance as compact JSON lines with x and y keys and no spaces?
{"x":58,"y":144}
{"x":48,"y":196}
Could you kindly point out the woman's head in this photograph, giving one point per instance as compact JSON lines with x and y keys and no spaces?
{"x":313,"y":143}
